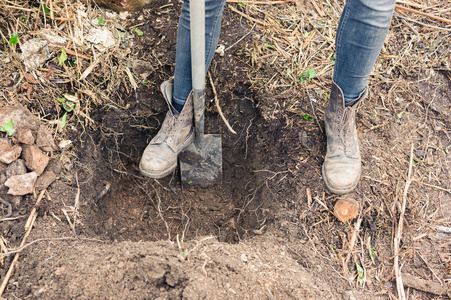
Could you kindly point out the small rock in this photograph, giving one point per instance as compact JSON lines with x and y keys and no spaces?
{"x":46,"y":179}
{"x":21,"y":184}
{"x":142,"y":68}
{"x":108,"y":225}
{"x":44,"y":140}
{"x":420,"y":153}
{"x":64,"y":143}
{"x":25,"y":137}
{"x":23,"y":119}
{"x":16,"y":168}
{"x":34,"y":53}
{"x":60,"y":271}
{"x":305,"y":140}
{"x":5,"y":144}
{"x":10,"y":155}
{"x":35,"y":159}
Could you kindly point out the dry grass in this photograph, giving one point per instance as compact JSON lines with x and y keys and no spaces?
{"x":92,"y":72}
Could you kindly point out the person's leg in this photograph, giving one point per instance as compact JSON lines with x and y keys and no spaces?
{"x":361,"y":33}
{"x":182,"y":73}
{"x":360,"y":36}
{"x":176,"y":133}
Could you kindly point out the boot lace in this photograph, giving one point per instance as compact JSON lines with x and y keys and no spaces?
{"x":346,"y":128}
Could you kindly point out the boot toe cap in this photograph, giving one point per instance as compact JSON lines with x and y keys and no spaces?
{"x":157,"y":162}
{"x":341,"y":177}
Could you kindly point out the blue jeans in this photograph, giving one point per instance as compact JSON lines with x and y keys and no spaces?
{"x":182,"y":73}
{"x":360,"y":36}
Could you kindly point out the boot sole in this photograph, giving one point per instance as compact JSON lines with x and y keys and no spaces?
{"x":163,"y":173}
{"x":339,"y":191}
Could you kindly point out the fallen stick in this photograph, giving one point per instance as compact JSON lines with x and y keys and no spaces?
{"x":399,"y":7}
{"x":427,"y":286}
{"x":257,"y":21}
{"x":68,"y":51}
{"x":318,"y":10}
{"x":28,"y":226}
{"x":309,"y":197}
{"x":48,"y":239}
{"x":421,"y":23}
{"x":444,"y":229}
{"x":353,"y":239}
{"x":219,"y":107}
{"x":397,"y":239}
{"x":410,"y":4}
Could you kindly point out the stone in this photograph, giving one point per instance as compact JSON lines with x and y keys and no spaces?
{"x":21,"y":184}
{"x":142,"y":68}
{"x":44,"y":139}
{"x":420,"y":153}
{"x":35,"y":159}
{"x":5,"y":144}
{"x":7,"y":156}
{"x":25,"y":137}
{"x":23,"y":119}
{"x":3,"y":166}
{"x":46,"y":179}
{"x":16,"y":168}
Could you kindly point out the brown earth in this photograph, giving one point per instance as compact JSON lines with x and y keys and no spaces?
{"x":268,"y":232}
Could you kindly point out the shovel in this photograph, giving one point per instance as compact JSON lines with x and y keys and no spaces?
{"x":201,"y":162}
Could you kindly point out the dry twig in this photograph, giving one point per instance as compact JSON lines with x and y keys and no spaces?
{"x":28,"y":226}
{"x":397,"y":239}
{"x":399,"y":7}
{"x":219,"y":107}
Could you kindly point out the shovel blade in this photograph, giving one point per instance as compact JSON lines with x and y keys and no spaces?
{"x":201,"y":162}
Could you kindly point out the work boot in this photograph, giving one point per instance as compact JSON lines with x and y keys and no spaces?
{"x":160,"y":156}
{"x":342,"y":164}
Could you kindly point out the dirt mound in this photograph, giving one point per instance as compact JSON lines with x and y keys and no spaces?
{"x":203,"y":268}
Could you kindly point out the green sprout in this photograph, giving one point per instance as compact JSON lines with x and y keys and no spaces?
{"x":14,"y":39}
{"x":398,"y":117}
{"x":63,"y":121}
{"x":139,"y":32}
{"x":45,"y":9}
{"x":371,"y":252}
{"x":101,"y":21}
{"x":309,"y":74}
{"x":8,"y":127}
{"x":360,"y":274}
{"x":63,"y":57}
{"x":68,"y":106}
{"x":308,"y":117}
{"x":269,"y":46}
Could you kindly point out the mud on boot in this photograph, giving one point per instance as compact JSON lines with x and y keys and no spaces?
{"x":160,"y":156}
{"x":342,"y":164}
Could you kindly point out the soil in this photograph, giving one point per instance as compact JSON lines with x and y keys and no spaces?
{"x":268,"y":231}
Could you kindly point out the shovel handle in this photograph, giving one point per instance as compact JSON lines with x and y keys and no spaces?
{"x":197,"y":29}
